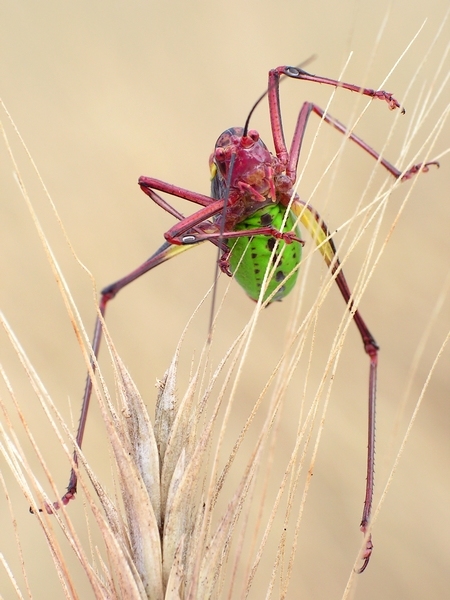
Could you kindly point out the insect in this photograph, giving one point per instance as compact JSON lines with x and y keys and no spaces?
{"x":251,"y":216}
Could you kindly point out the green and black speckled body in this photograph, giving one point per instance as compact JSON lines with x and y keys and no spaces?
{"x":250,"y":261}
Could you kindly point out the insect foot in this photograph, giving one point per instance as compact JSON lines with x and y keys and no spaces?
{"x":421,"y":167}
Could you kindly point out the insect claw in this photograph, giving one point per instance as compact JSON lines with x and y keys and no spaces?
{"x":363,"y":568}
{"x":68,"y":496}
{"x":421,"y":167}
{"x":368,"y":549}
{"x":288,"y":237}
{"x":224,"y":264}
{"x":51,"y":508}
{"x":48,"y":508}
{"x":392,"y":102}
{"x":300,"y":241}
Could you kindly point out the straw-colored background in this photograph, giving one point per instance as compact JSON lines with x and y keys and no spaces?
{"x":104,"y":92}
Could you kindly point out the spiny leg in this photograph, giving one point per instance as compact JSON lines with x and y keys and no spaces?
{"x":292,"y":157}
{"x":307,"y":109}
{"x":318,"y":230}
{"x":295,"y":73}
{"x":164,"y":253}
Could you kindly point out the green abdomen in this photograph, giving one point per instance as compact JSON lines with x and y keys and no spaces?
{"x":251,"y":257}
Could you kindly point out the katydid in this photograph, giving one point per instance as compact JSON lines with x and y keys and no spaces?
{"x":252,"y":207}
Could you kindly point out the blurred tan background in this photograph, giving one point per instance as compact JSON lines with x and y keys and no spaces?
{"x":104,"y":92}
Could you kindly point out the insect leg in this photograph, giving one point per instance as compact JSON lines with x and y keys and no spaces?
{"x":164,"y":253}
{"x":307,"y":109}
{"x":318,"y":230}
{"x":291,"y":158}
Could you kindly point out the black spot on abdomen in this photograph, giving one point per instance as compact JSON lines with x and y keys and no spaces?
{"x":271,"y":243}
{"x":266,"y":220}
